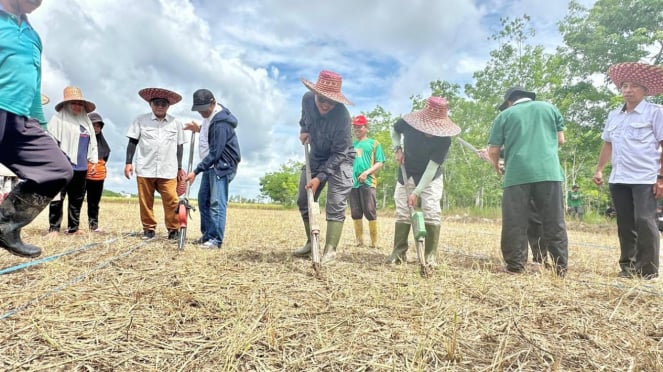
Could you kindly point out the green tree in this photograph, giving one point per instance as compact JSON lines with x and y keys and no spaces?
{"x":282,"y":186}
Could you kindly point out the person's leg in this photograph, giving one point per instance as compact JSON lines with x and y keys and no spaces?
{"x":368,"y":205}
{"x":219,"y":205}
{"x":648,"y":241}
{"x":94,"y":189}
{"x":515,"y":213}
{"x":34,"y":157}
{"x":340,"y":185}
{"x":75,"y":194}
{"x":430,"y":206}
{"x":622,"y":198}
{"x":167,"y":188}
{"x":55,"y":212}
{"x":204,"y":204}
{"x":302,"y":204}
{"x":548,"y":200}
{"x":146,"y":188}
{"x":402,"y":224}
{"x":356,"y":213}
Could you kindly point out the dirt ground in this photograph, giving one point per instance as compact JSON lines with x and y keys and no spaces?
{"x":112,"y":302}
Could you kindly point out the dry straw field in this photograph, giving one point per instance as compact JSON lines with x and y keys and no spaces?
{"x":116,"y":303}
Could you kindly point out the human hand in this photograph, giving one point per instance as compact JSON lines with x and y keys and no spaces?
{"x":190,"y":178}
{"x":304,"y":138}
{"x":362,"y":177}
{"x":399,"y":156}
{"x":598,"y":178}
{"x":192,"y":126}
{"x":181,"y":175}
{"x":313,"y":184}
{"x":657,"y":189}
{"x":92,"y":170}
{"x":128,"y":171}
{"x":412,"y":200}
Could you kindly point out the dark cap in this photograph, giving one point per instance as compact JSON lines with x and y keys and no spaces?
{"x":513,"y":90}
{"x":202,"y":98}
{"x":95,"y":118}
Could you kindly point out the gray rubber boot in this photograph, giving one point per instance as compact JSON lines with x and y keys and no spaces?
{"x":304,"y":251}
{"x":16,"y":211}
{"x":432,"y":240}
{"x":401,"y":234}
{"x":334,"y":232}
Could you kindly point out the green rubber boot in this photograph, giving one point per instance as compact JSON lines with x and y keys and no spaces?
{"x":334,"y":231}
{"x":401,"y":234}
{"x":304,"y":251}
{"x":432,"y":239}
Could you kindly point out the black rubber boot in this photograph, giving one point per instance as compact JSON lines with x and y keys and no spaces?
{"x":16,"y":211}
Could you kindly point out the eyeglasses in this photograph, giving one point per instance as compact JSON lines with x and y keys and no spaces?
{"x":160,"y":102}
{"x":325,"y":101}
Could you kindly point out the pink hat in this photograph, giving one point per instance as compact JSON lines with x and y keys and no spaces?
{"x":149,"y":94}
{"x":433,"y":119}
{"x":649,"y":76}
{"x":328,"y":85}
{"x":75,"y":94}
{"x":360,"y":121}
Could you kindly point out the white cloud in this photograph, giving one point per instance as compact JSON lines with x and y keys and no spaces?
{"x":252,"y":53}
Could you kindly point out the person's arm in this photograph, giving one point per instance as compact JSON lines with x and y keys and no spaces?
{"x":180,"y":152}
{"x":427,"y":177}
{"x":341,"y":146}
{"x":218,"y":137}
{"x":604,"y":157}
{"x":131,"y":150}
{"x":494,"y":156}
{"x":560,"y":138}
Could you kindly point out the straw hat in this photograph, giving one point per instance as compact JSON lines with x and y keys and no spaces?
{"x":75,"y":94}
{"x":45,"y":99}
{"x":649,"y":76}
{"x":433,"y":119}
{"x":148,"y":94}
{"x":328,"y":85}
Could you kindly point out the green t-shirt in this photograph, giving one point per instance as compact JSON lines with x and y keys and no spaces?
{"x":528,"y":131}
{"x":574,"y":199}
{"x":369,"y":152}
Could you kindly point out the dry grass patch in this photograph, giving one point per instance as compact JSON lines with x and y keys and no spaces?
{"x":131,"y":305}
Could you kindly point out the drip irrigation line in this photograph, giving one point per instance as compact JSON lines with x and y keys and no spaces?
{"x":54,"y":257}
{"x":72,"y":281}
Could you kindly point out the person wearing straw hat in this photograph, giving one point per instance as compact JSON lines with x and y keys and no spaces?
{"x":218,"y":166}
{"x":633,"y":136}
{"x":421,"y":141}
{"x":158,"y":138}
{"x":530,"y":132}
{"x":368,"y":161}
{"x":72,"y":130}
{"x":325,"y":124}
{"x":94,"y":182}
{"x":27,"y":150}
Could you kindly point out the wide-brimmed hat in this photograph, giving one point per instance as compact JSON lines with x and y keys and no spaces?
{"x":511,"y":91}
{"x":360,"y":120}
{"x":148,"y":94}
{"x":649,"y":76}
{"x":433,"y":119}
{"x":328,"y":85}
{"x":95,"y":118}
{"x":45,"y":99}
{"x":75,"y":94}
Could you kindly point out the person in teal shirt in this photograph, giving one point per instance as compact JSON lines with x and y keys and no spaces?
{"x":368,"y":161}
{"x":530,"y":132}
{"x":27,"y":150}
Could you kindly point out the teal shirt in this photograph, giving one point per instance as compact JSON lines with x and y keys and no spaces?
{"x":528,"y":131}
{"x":20,"y":68}
{"x":369,"y":152}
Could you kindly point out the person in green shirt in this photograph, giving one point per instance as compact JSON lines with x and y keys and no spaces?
{"x":574,"y":201}
{"x":530,"y":132}
{"x":368,"y":161}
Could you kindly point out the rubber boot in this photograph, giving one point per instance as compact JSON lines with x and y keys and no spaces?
{"x":334,"y":231}
{"x":359,"y":232}
{"x":305,"y":251}
{"x":401,"y":234}
{"x":373,"y":230}
{"x":432,"y":239}
{"x":16,"y":211}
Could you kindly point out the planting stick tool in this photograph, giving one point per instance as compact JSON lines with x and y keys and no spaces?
{"x":418,"y":229}
{"x":184,"y":208}
{"x":313,"y":215}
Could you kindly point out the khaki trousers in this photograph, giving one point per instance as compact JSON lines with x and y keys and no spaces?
{"x":167,"y":189}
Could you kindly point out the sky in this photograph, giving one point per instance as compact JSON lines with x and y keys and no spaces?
{"x":253,"y":53}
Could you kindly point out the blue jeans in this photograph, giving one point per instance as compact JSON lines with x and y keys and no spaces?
{"x":218,"y":205}
{"x":204,"y":204}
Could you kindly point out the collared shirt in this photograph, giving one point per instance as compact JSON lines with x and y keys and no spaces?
{"x":635,"y":137}
{"x":20,"y":74}
{"x":203,"y":143}
{"x":156,"y":153}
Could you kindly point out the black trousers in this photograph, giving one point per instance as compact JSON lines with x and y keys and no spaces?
{"x":639,"y":239}
{"x":93,"y":190}
{"x":28,"y":151}
{"x":362,"y":203}
{"x":516,"y":212}
{"x":75,"y":191}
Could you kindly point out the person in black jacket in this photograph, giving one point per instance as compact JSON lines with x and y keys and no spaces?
{"x":221,"y":161}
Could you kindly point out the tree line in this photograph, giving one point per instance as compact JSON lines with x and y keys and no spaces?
{"x":573,"y":78}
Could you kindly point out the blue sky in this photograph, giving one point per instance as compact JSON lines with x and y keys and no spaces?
{"x":252,"y":53}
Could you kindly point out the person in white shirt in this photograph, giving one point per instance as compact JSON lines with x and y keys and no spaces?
{"x":158,"y":139}
{"x":632,"y":137}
